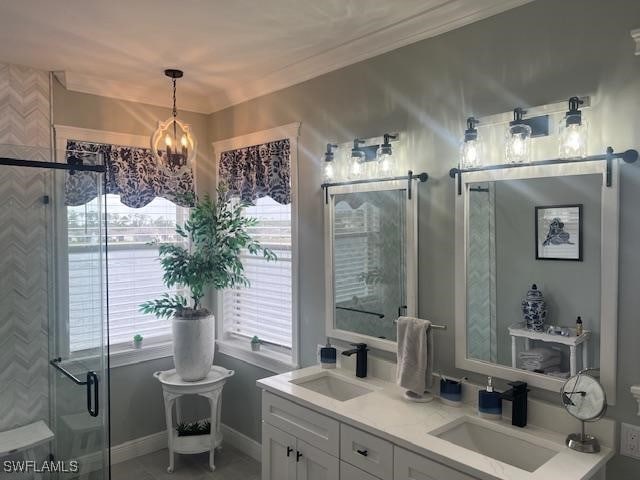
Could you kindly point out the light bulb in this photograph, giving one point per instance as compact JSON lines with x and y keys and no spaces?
{"x":384,"y":162}
{"x":183,"y":141}
{"x":167,"y":141}
{"x":356,"y":167}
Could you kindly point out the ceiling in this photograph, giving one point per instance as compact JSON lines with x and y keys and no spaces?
{"x":230,"y":51}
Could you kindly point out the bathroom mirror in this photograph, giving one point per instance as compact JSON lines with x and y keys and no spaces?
{"x":370,"y":260}
{"x":536,"y":273}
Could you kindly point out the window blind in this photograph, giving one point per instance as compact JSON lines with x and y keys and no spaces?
{"x":134,"y":271}
{"x":265,"y":308}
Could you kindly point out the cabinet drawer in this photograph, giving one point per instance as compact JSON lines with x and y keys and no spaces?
{"x":349,"y":472}
{"x":365,"y":451}
{"x":315,"y":429}
{"x":409,"y":466}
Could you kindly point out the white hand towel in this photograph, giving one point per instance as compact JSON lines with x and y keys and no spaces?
{"x":415,"y":354}
{"x":539,"y":354}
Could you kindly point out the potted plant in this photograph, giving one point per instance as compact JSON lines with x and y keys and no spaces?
{"x":255,"y":343}
{"x":137,"y":341}
{"x":217,"y":233}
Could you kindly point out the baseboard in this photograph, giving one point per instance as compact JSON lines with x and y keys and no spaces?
{"x":157,"y":441}
{"x":138,"y":447}
{"x":240,"y":441}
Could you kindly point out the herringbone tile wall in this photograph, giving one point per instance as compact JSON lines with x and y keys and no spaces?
{"x":24,"y":121}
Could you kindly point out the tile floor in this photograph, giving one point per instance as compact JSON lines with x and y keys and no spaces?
{"x":231,"y":464}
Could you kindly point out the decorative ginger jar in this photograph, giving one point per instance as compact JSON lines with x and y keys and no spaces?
{"x":534,"y":309}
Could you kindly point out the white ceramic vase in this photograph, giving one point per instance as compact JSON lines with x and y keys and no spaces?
{"x":193,"y":345}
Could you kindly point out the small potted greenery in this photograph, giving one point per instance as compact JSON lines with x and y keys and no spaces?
{"x":255,"y":344}
{"x":217,"y":234}
{"x":137,"y":341}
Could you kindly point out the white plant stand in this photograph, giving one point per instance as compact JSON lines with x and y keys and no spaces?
{"x":173,"y":387}
{"x":519,"y":330}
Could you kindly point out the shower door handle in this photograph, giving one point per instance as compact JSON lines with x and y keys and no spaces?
{"x":93,"y":403}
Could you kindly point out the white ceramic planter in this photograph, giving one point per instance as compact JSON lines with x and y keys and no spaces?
{"x":193,"y":346}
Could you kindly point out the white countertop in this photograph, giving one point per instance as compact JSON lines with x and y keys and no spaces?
{"x":386,"y":414}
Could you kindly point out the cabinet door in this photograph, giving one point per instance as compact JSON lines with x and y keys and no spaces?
{"x":278,"y":454}
{"x":314,"y":464}
{"x":409,"y":466}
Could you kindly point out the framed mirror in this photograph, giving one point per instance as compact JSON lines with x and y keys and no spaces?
{"x":537,"y":272}
{"x":370,"y":261}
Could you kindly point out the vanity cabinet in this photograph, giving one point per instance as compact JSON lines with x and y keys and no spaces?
{"x":301,"y":444}
{"x":285,"y":457}
{"x":409,"y":466}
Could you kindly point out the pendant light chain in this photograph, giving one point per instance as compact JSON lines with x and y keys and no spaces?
{"x":175,"y":113}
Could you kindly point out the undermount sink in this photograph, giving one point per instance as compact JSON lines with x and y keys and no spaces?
{"x":478,"y":436}
{"x":331,"y":385}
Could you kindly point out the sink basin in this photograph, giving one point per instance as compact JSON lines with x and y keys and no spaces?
{"x":334,"y":386}
{"x":494,"y":441}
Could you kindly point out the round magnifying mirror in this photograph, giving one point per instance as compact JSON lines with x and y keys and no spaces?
{"x":584,"y":398}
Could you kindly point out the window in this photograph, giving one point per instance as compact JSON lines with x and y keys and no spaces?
{"x":135,"y":274}
{"x":268,"y":308}
{"x":264,"y":308}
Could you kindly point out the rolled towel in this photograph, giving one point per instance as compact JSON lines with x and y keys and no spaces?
{"x":538,"y":365}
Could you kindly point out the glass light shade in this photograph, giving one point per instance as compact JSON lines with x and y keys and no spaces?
{"x":329,"y":171}
{"x":174,"y":144}
{"x":573,"y":138}
{"x":518,"y":147}
{"x":471,"y":154}
{"x":384,"y":163}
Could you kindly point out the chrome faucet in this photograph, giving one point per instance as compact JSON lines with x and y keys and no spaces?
{"x":361,"y":358}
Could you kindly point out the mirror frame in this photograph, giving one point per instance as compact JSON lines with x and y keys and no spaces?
{"x":411,"y":272}
{"x":608,"y":271}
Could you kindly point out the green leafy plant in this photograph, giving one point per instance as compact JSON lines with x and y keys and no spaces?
{"x":137,"y":338}
{"x":255,"y":339}
{"x":217,"y":233}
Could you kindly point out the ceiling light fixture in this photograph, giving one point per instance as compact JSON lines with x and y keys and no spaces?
{"x":573,"y":132}
{"x":329,"y":171}
{"x":518,"y":147}
{"x":173,"y":143}
{"x":471,"y":149}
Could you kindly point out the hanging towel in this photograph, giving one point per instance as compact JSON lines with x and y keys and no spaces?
{"x":415,"y":354}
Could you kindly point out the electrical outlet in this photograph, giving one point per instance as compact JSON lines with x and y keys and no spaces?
{"x":630,"y":440}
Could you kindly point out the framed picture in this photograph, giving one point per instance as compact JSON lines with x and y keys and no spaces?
{"x":559,"y":232}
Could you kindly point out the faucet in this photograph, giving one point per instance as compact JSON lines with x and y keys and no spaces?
{"x":361,"y":358}
{"x":518,"y":395}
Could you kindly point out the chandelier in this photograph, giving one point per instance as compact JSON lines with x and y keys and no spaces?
{"x":172,"y":143}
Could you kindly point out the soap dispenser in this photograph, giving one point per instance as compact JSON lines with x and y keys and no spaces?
{"x":490,"y":402}
{"x":328,"y":356}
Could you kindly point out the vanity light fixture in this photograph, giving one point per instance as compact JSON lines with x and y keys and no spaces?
{"x":173,"y":143}
{"x":329,"y":171}
{"x":573,"y":132}
{"x":358,"y":157}
{"x":383,"y":156}
{"x":518,"y":145}
{"x":471,"y":149}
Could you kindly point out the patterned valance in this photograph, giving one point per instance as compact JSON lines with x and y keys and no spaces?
{"x":132,"y":173}
{"x":258,"y":171}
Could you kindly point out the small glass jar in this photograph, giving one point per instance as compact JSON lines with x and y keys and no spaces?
{"x":518,"y":143}
{"x":573,"y":137}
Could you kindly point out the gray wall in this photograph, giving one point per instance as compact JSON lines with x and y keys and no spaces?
{"x":540,"y":53}
{"x":570,"y":288}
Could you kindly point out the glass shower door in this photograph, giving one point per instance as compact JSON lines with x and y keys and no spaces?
{"x":53,"y":329}
{"x":80,"y":342}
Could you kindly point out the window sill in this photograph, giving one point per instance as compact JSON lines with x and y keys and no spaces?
{"x":266,"y":358}
{"x":123,"y":354}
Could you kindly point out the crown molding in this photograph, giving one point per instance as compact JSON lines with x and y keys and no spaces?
{"x":160,"y":97}
{"x":446,"y":16}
